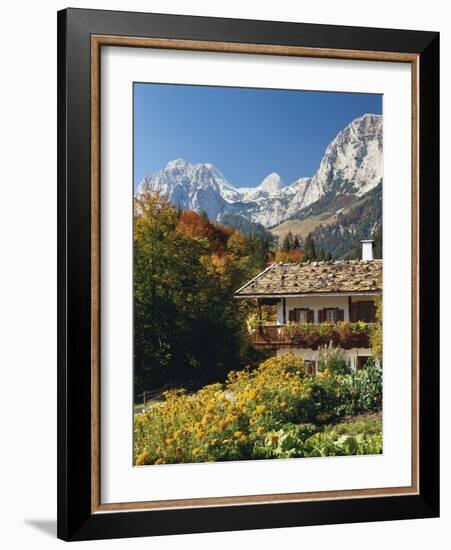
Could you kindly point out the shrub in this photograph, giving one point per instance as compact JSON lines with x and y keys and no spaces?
{"x":334,"y":360}
{"x":268,"y":412}
{"x":329,"y":444}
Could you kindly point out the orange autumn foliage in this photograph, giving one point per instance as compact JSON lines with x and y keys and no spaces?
{"x":193,"y":225}
{"x":292,"y":256}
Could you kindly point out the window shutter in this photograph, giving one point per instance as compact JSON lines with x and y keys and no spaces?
{"x":354,"y":313}
{"x":310,"y":316}
{"x":320,"y":315}
{"x":292,"y":315}
{"x":340,"y":314}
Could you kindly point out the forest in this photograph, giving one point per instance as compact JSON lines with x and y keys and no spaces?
{"x":189,"y":330}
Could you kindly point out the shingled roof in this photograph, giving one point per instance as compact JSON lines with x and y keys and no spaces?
{"x":342,"y":276}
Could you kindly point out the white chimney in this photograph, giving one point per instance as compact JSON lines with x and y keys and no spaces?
{"x":367,"y":249}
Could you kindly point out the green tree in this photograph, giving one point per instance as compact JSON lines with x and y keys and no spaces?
{"x":378,"y":242}
{"x":188,"y":328}
{"x":309,"y":248}
{"x":287,"y":243}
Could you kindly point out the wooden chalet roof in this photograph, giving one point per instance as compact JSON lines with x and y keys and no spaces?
{"x":342,"y":276}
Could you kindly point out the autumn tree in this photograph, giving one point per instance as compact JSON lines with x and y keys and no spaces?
{"x":189,"y":330}
{"x":292,"y":256}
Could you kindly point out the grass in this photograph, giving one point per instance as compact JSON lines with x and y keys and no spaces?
{"x":303,"y":227}
{"x":369,"y":424}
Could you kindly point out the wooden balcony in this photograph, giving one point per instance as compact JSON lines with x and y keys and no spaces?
{"x":313,"y":335}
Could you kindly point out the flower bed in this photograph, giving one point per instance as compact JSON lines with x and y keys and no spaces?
{"x":275,"y":411}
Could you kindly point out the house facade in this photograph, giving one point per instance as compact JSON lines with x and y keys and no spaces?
{"x":338,"y":295}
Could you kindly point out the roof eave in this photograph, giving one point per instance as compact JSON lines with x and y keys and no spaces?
{"x":310,"y":294}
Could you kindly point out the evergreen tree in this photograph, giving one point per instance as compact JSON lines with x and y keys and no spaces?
{"x":296,"y":243}
{"x":309,"y":248}
{"x":286,"y":244}
{"x":378,"y":242}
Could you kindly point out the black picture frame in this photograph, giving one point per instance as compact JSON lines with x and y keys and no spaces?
{"x":75,"y":518}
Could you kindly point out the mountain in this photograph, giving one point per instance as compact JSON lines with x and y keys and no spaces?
{"x":362,"y":220}
{"x":351,"y":167}
{"x":246,"y":227}
{"x":199,"y":187}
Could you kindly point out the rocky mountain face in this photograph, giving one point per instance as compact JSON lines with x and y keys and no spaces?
{"x":351,"y":167}
{"x":362,"y":220}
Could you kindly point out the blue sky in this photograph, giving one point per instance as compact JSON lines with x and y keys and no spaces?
{"x":245,"y":132}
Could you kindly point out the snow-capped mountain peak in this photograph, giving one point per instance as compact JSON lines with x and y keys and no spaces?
{"x":271,"y":184}
{"x":352,"y":165}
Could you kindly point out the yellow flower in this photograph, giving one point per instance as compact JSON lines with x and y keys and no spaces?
{"x":196,"y":451}
{"x":238,"y":433}
{"x":273,"y":438}
{"x":283,"y":404}
{"x":142,"y":458}
{"x":226,"y":441}
{"x":259,"y":409}
{"x":214,"y":441}
{"x":260,"y":430}
{"x":160,"y":461}
{"x":169,"y":441}
{"x":206,"y":419}
{"x":252,"y":395}
{"x":243,"y":438}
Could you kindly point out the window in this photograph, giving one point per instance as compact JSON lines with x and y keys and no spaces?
{"x":363,"y":311}
{"x":366,"y":312}
{"x":330,"y":315}
{"x":301,"y":315}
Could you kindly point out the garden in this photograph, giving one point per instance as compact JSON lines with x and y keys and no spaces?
{"x":276,"y":410}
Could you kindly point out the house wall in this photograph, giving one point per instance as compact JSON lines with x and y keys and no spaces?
{"x":312,"y":355}
{"x":318,"y":302}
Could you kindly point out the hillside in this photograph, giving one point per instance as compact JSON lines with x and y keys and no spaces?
{"x":362,"y":220}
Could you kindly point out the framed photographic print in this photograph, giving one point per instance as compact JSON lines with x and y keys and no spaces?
{"x":248,"y":274}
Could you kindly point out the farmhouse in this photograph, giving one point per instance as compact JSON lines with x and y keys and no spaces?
{"x":318,"y":304}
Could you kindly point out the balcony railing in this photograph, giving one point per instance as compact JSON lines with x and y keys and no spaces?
{"x":313,"y":335}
